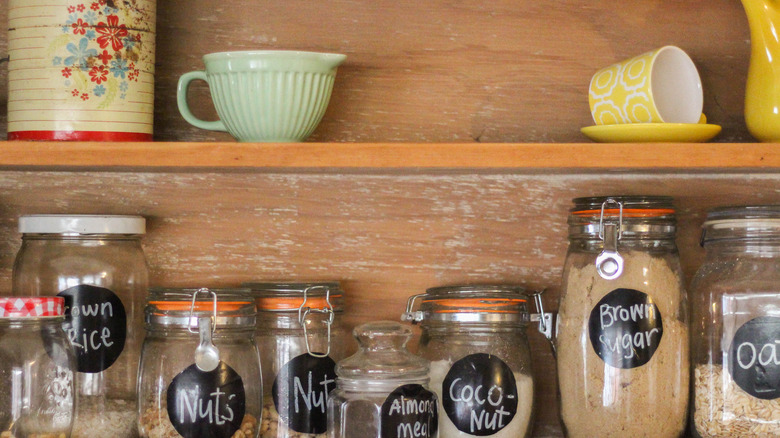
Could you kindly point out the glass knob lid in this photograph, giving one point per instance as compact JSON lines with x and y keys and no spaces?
{"x":382,"y":354}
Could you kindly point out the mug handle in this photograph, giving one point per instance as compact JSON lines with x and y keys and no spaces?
{"x":184,"y":109}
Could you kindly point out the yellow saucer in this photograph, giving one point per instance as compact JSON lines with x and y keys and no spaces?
{"x":652,"y":132}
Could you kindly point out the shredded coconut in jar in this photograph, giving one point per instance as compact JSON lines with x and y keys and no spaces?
{"x":723,"y":409}
{"x":517,"y":428}
{"x":599,"y":400}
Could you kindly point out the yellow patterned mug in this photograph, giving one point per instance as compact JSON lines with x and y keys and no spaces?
{"x":660,"y":86}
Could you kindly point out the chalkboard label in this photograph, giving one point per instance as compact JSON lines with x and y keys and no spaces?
{"x":96,"y":323}
{"x":625,"y":328}
{"x":410,"y":411}
{"x":300,"y":392}
{"x":479,"y":394}
{"x":754,"y":361}
{"x":207,"y":404}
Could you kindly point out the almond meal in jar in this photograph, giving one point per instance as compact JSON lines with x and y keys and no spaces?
{"x":622,"y":339}
{"x":382,"y":390}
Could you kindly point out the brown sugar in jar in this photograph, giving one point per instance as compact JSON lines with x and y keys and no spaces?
{"x":622,"y":339}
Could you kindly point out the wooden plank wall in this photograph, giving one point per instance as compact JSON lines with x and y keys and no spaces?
{"x":439,"y":70}
{"x":386,"y":236}
{"x":446,"y":70}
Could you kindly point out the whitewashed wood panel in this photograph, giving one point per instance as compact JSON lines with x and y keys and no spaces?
{"x":386,"y":236}
{"x":444,"y":70}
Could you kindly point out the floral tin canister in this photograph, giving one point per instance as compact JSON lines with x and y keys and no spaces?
{"x":81,"y":69}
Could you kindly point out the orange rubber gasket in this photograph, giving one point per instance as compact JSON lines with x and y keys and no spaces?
{"x":200,"y":306}
{"x":475,"y":305}
{"x":627,"y":212}
{"x":474,"y":311}
{"x":292,"y":303}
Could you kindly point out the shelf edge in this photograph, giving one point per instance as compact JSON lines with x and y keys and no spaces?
{"x":175,"y":155}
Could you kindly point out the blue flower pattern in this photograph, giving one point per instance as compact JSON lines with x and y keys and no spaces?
{"x":129,"y":42}
{"x":118,"y":68}
{"x":90,"y":17}
{"x":80,"y":54}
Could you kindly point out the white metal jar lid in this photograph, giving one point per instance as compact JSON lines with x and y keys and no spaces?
{"x":82,"y":224}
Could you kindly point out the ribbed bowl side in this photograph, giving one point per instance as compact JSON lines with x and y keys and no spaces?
{"x":269,"y":105}
{"x":224,"y":92}
{"x":316,"y":101}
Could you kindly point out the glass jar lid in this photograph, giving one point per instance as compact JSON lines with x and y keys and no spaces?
{"x":319,"y":298}
{"x":607,"y":221}
{"x":291,"y":296}
{"x":741,"y":222}
{"x":81,"y":224}
{"x":470,"y":303}
{"x":648,"y":217}
{"x":382,"y":354}
{"x":31,"y":307}
{"x":183,"y":307}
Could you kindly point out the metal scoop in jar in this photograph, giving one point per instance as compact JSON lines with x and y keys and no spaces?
{"x":206,"y":354}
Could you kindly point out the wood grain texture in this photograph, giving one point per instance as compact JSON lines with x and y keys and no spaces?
{"x":451,"y":71}
{"x":470,"y":156}
{"x":385,"y":237}
{"x":506,"y":71}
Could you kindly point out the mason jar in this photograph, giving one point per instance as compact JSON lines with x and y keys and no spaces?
{"x":622,"y":338}
{"x":36,"y":369}
{"x":475,"y":337}
{"x":736,"y":325}
{"x":300,"y":337}
{"x":382,"y":390}
{"x":97,"y":265}
{"x":200,"y":369}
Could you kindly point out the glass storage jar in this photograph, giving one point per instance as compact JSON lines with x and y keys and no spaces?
{"x":36,"y":369}
{"x":382,"y":390}
{"x":622,"y":335}
{"x":475,"y":338}
{"x":736,"y":325}
{"x":300,"y":337}
{"x":97,"y":264}
{"x":200,"y":369}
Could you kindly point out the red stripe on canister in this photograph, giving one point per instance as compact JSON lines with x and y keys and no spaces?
{"x":79,"y":136}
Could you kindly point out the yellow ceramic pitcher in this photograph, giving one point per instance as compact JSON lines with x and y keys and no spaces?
{"x":762,"y":99}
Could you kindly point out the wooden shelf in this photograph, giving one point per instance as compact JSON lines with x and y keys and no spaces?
{"x":582,"y":156}
{"x":469,"y":111}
